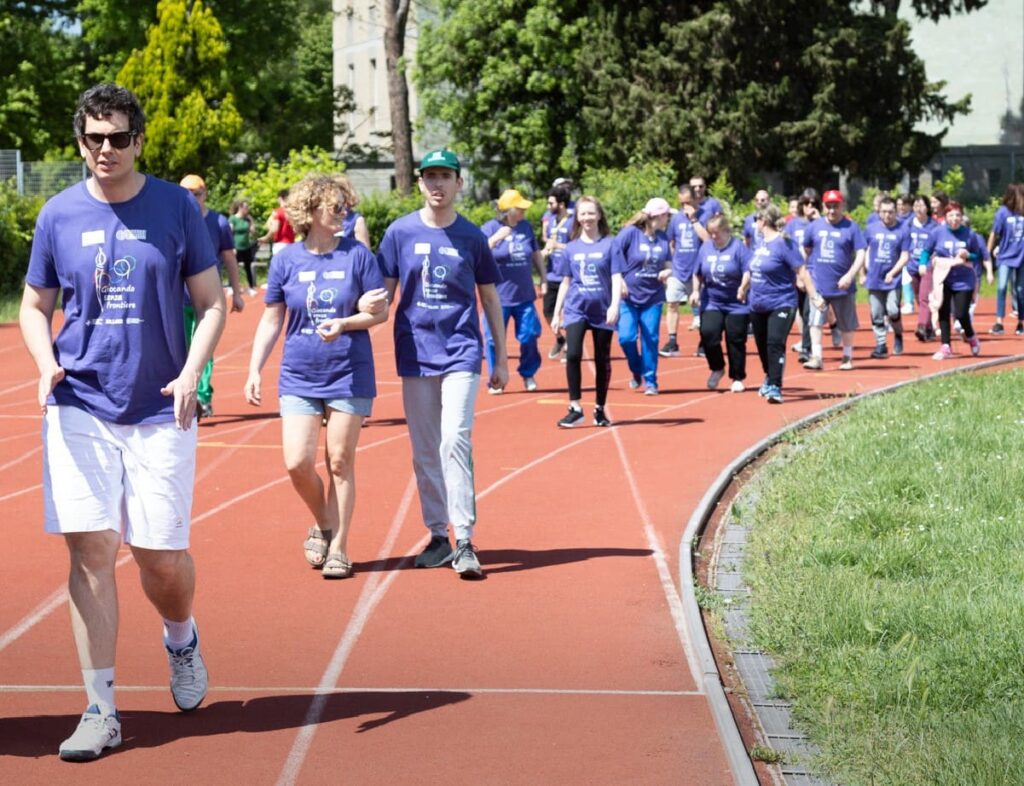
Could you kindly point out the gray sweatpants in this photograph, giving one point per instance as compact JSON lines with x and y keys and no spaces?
{"x":885,"y":303}
{"x":439,"y":413}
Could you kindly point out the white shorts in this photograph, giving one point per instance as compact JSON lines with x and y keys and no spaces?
{"x":132,"y":479}
{"x":677,"y":291}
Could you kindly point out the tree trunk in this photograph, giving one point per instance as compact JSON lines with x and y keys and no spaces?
{"x":396,"y":14}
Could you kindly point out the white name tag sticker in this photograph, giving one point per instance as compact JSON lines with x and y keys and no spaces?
{"x":307,"y":275}
{"x":334,"y":275}
{"x":447,"y":251}
{"x":96,"y":237}
{"x":421,"y":248}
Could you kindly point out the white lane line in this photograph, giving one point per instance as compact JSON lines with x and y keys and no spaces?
{"x":270,"y":690}
{"x":19,"y":492}
{"x":21,"y":458}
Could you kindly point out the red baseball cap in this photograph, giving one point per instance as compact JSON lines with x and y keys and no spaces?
{"x":832,"y":197}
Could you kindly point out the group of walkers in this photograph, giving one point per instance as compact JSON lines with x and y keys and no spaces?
{"x":136,"y":262}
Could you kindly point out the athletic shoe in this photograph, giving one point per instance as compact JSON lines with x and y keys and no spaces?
{"x":802,"y":358}
{"x":670,"y":349}
{"x":921,"y":334}
{"x":1020,"y":329}
{"x":944,"y":353}
{"x":997,"y":329}
{"x":650,"y":389}
{"x":205,"y":409}
{"x":714,"y":379}
{"x":530,"y":383}
{"x":737,"y":386}
{"x":695,"y":325}
{"x":797,"y":347}
{"x":813,"y":362}
{"x":634,"y":383}
{"x":465,"y":562}
{"x":907,"y":308}
{"x":557,"y":349}
{"x":897,"y":345}
{"x":881,"y":352}
{"x":765,"y":387}
{"x":495,"y":391}
{"x":700,"y":351}
{"x":95,"y":734}
{"x":188,"y":674}
{"x":600,"y":419}
{"x":572,"y":417}
{"x":847,"y":364}
{"x":773,"y":395}
{"x":975,"y":345}
{"x":437,"y":553}
{"x":929,"y":333}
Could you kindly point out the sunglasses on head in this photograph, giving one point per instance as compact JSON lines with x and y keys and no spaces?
{"x":119,"y":139}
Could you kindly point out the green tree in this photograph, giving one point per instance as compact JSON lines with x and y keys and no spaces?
{"x":180,"y":81}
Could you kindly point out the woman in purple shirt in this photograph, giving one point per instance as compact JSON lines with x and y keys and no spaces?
{"x":723,"y":267}
{"x":1006,"y":244}
{"x":771,"y":291}
{"x":327,"y":375}
{"x":919,"y":230}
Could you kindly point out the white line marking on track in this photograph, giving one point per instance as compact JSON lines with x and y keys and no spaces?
{"x":19,"y":492}
{"x":270,"y":690}
{"x":22,"y":457}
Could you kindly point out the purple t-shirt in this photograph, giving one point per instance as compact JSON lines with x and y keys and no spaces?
{"x":316,"y":287}
{"x":561,"y":231}
{"x":514,"y":257}
{"x":221,"y":235}
{"x":751,"y":234}
{"x":944,"y":242}
{"x":437,"y":327}
{"x":773,"y":267}
{"x":640,"y":259}
{"x":348,"y":225}
{"x":589,"y":268}
{"x":707,"y":209}
{"x":918,"y":236}
{"x":885,"y":245}
{"x":1009,"y":228}
{"x":797,"y":229}
{"x":686,"y":244}
{"x":121,"y":269}
{"x":833,"y":249}
{"x":722,"y":270}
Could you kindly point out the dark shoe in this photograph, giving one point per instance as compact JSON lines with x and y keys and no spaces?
{"x":897,"y":345}
{"x":803,"y":358}
{"x":556,"y":350}
{"x":572,"y":418}
{"x":204,"y":410}
{"x":929,"y":334}
{"x":921,"y":334}
{"x":600,"y":419}
{"x":881,"y":352}
{"x":670,"y":349}
{"x":437,"y":553}
{"x":1020,"y":329}
{"x":997,"y":329}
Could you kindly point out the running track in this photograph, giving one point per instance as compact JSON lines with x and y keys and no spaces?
{"x":569,"y":664}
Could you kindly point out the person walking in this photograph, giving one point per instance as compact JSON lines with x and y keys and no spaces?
{"x":887,"y":254}
{"x":685,"y":233}
{"x":558,"y":229}
{"x":117,"y":389}
{"x":1006,"y":245}
{"x":243,"y":233}
{"x":441,"y":262}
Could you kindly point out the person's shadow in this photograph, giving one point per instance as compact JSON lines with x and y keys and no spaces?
{"x":511,"y":560}
{"x":38,"y":736}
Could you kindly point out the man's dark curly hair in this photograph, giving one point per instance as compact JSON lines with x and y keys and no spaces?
{"x":102,"y":101}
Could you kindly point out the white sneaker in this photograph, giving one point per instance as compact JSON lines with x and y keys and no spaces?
{"x":531,"y":384}
{"x":738,"y":386}
{"x":495,"y":391}
{"x":95,"y":734}
{"x":714,"y":379}
{"x":189,"y":678}
{"x":465,"y":561}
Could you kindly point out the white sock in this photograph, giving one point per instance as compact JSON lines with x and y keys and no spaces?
{"x":816,"y":349}
{"x":99,"y":688}
{"x":847,"y":350}
{"x":178,"y":634}
{"x":576,"y":406}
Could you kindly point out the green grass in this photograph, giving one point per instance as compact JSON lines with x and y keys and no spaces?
{"x":887,"y":567}
{"x":9,"y":304}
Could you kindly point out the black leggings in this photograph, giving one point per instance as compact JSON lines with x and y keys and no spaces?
{"x":712,"y":323}
{"x":574,"y":357}
{"x":960,"y":305}
{"x":771,"y":330}
{"x":246,"y":256}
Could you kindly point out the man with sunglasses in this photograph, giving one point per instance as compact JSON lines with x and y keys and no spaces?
{"x":223,"y":240}
{"x":117,"y":390}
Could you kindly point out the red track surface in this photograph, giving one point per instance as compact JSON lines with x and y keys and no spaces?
{"x":568,"y":664}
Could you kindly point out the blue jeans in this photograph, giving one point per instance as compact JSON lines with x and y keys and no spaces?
{"x":1003,"y":282}
{"x":643,"y":362}
{"x":528,"y":330}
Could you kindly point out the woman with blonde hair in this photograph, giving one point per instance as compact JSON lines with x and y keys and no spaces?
{"x":327,"y":374}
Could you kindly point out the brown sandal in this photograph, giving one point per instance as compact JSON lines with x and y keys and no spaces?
{"x":337,"y":566}
{"x":316,"y":546}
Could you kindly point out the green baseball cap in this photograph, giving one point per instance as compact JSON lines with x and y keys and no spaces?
{"x":445,"y":159}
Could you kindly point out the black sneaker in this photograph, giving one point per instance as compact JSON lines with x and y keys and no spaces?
{"x":556,"y":350}
{"x":929,"y":334}
{"x":700,"y":351}
{"x":204,"y":410}
{"x":997,"y":329}
{"x":437,"y":553}
{"x":1020,"y":329}
{"x":897,"y":345}
{"x":572,"y":417}
{"x":600,"y":419}
{"x":670,"y":350}
{"x":881,"y":352}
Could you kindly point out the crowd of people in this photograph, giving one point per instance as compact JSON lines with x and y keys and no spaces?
{"x":136,"y":260}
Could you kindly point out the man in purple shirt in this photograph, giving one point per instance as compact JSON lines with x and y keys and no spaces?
{"x":751,"y":235}
{"x":685,"y":234}
{"x":887,"y":254}
{"x":440,"y":261}
{"x":118,"y":393}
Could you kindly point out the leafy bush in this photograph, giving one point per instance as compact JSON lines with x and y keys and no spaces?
{"x":17,"y":225}
{"x":952,"y":183}
{"x":625,"y":191}
{"x":983,"y":215}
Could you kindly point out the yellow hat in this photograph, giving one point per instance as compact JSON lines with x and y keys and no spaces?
{"x":512,"y":198}
{"x":193,"y":182}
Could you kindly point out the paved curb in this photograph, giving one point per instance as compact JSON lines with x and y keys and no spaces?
{"x":736,"y":752}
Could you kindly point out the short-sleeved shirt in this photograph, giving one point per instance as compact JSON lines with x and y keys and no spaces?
{"x":285,"y":231}
{"x":314,"y":288}
{"x":885,"y":245}
{"x":796,"y":229}
{"x":121,"y":270}
{"x":640,"y":259}
{"x":514,"y":257}
{"x":773,"y":267}
{"x":588,"y":266}
{"x":722,"y":271}
{"x":437,"y":327}
{"x":348,"y":224}
{"x":833,"y":250}
{"x":751,"y":234}
{"x":240,"y":231}
{"x":686,"y":244}
{"x":917,"y":236}
{"x":707,"y":209}
{"x":944,"y":242}
{"x":561,"y":231}
{"x":1009,"y":228}
{"x":220,"y":235}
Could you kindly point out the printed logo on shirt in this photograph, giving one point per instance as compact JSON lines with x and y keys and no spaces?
{"x":334,"y":275}
{"x":432,"y":280}
{"x":130,"y":234}
{"x":319,"y":306}
{"x":447,"y":251}
{"x":114,"y":290}
{"x":96,"y":237}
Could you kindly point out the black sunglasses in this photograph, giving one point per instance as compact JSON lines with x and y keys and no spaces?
{"x":119,"y":139}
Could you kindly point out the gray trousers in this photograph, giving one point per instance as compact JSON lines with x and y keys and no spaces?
{"x":886,"y":304}
{"x":439,"y":414}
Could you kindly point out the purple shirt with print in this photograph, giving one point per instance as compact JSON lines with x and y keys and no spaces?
{"x":773,"y":267}
{"x":885,"y":245}
{"x":640,"y":259}
{"x":722,"y":270}
{"x":833,"y":249}
{"x":514,"y":257}
{"x":944,"y":242}
{"x":589,"y":269}
{"x":686,"y":245}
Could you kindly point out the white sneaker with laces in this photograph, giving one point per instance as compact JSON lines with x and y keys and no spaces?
{"x":96,"y":733}
{"x":465,"y":561}
{"x":530,"y":383}
{"x":737,"y":386}
{"x":189,"y":678}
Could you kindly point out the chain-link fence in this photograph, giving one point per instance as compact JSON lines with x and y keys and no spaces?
{"x":43,"y":178}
